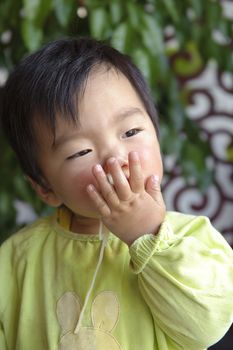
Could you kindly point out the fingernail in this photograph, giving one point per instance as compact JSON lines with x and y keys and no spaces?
{"x":90,"y":188}
{"x":111,"y":160}
{"x":155,"y":179}
{"x":98,"y":167}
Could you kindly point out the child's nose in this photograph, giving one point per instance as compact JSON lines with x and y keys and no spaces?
{"x":123,"y":161}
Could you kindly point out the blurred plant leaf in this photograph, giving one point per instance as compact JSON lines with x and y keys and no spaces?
{"x":98,"y":20}
{"x":43,"y":11}
{"x":143,"y":61}
{"x":116,"y":11}
{"x":32,"y":35}
{"x":152,"y":35}
{"x":120,"y":37}
{"x":171,"y":8}
{"x":63,"y":10}
{"x":197,"y":7}
{"x":30,"y":8}
{"x":134,"y":13}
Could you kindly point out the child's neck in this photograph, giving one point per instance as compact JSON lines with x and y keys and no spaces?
{"x":84,"y":225}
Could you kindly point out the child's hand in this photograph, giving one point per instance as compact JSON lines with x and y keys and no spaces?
{"x":130,"y":208}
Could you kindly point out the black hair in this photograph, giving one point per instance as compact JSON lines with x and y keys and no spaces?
{"x":45,"y":83}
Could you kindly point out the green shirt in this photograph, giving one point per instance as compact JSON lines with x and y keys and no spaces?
{"x":169,"y":291}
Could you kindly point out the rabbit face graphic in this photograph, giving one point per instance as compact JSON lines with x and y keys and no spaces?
{"x":104,"y":316}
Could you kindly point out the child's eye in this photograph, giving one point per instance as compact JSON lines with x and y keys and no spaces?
{"x":132,"y":132}
{"x":79,"y":154}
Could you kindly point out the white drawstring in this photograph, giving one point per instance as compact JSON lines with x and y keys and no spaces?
{"x":103,"y":235}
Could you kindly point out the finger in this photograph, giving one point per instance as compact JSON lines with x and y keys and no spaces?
{"x":107,"y":190}
{"x":153,"y":187}
{"x":99,"y":203}
{"x":136,"y":175}
{"x":120,"y":181}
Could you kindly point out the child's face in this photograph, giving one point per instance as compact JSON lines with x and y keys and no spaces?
{"x":113,"y":122}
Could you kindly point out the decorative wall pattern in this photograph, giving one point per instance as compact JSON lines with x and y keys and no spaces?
{"x":211,"y":107}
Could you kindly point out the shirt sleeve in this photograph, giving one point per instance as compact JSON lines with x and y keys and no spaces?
{"x":8,"y":292}
{"x":186,"y":278}
{"x":2,"y":339}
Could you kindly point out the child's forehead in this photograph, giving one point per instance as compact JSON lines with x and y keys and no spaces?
{"x":102,"y":77}
{"x":107,"y":81}
{"x":103,"y":68}
{"x":108,"y":92}
{"x":97,"y":75}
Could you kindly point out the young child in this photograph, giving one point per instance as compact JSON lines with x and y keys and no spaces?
{"x":111,"y":269}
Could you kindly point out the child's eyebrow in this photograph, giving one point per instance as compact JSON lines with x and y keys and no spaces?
{"x":128,"y":112}
{"x":61,"y":140}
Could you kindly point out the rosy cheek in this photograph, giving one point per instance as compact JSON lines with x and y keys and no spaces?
{"x":151,"y":162}
{"x":82,"y":179}
{"x":145,"y":158}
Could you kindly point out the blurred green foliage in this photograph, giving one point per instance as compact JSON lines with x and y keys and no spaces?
{"x":141,"y":29}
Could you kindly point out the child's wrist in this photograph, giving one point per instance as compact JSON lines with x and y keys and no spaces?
{"x":130,"y":240}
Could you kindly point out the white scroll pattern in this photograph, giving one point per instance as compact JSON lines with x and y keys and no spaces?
{"x":211,"y":107}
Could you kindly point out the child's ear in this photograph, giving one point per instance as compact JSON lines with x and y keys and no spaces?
{"x":45,"y":193}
